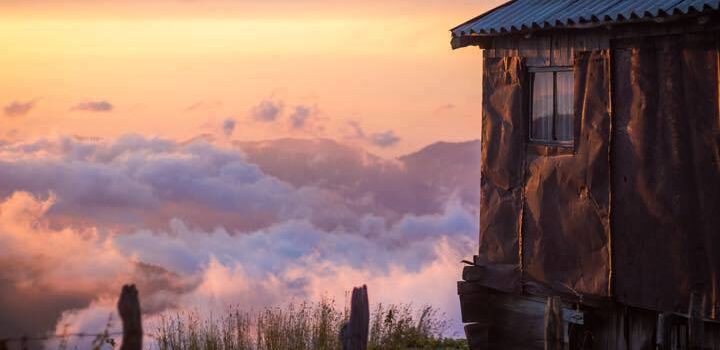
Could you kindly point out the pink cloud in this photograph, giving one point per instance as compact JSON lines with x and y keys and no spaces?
{"x":320,"y":228}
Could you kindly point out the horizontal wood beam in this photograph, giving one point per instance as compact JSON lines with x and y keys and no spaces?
{"x":484,"y":42}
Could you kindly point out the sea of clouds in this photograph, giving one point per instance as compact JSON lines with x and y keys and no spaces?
{"x":202,"y":225}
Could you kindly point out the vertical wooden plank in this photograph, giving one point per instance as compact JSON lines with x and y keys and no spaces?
{"x":129,"y":310}
{"x":506,"y":46}
{"x":682,"y":337}
{"x":618,"y":339}
{"x":662,"y":331}
{"x":712,"y":336}
{"x":536,"y":50}
{"x":489,"y":53}
{"x":641,"y":329}
{"x":500,"y":46}
{"x":695,"y":319}
{"x":608,"y":329}
{"x":554,"y":338}
{"x":582,"y":43}
{"x":562,"y":49}
{"x":513,"y":47}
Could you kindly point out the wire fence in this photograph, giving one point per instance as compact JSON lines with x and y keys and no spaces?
{"x":353,"y":335}
{"x":132,"y":334}
{"x":100,"y":339}
{"x":25,"y":341}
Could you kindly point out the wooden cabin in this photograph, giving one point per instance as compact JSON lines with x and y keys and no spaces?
{"x":600,"y":182}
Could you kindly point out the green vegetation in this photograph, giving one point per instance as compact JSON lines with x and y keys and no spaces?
{"x":304,"y":327}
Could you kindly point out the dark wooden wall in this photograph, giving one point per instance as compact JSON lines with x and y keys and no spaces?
{"x":551,"y":49}
{"x":497,"y":320}
{"x":556,"y":47}
{"x":676,"y":119}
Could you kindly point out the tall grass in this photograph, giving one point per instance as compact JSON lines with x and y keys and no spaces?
{"x":304,"y":326}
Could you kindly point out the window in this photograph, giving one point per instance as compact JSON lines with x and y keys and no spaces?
{"x":551,"y":106}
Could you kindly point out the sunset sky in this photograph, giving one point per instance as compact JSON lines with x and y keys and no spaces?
{"x":179,"y":68}
{"x":221,"y":152}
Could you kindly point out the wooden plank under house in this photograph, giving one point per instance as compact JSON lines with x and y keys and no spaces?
{"x":600,"y":176}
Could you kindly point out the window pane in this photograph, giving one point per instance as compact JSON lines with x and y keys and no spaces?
{"x":542,"y":106}
{"x":565,"y":111}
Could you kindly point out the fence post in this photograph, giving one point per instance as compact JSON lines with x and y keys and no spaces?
{"x":354,"y":334}
{"x":129,"y":310}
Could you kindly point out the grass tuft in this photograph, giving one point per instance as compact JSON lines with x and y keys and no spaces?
{"x":305,"y":326}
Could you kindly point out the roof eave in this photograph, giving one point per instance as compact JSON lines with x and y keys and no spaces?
{"x":483,"y":14}
{"x":482,"y":41}
{"x":472,"y":33}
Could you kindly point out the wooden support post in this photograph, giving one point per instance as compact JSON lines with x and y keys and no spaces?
{"x":662,"y":331}
{"x":554,"y":337}
{"x":696,"y":322}
{"x":129,"y":310}
{"x":354,"y":334}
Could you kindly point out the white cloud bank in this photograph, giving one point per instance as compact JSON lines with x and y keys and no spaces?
{"x":196,"y":226}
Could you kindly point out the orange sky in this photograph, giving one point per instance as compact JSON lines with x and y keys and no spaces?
{"x":237,"y":223}
{"x":179,"y":68}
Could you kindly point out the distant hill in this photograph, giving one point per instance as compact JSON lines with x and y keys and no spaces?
{"x":418,"y":182}
{"x":449,"y":166}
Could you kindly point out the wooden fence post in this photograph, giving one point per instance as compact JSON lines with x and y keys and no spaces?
{"x":354,"y":334}
{"x":129,"y":310}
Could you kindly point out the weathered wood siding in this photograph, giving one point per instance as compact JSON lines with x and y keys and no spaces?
{"x":498,"y":320}
{"x":553,"y":49}
{"x":633,"y":318}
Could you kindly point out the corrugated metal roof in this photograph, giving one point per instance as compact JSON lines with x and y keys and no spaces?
{"x":520,"y":15}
